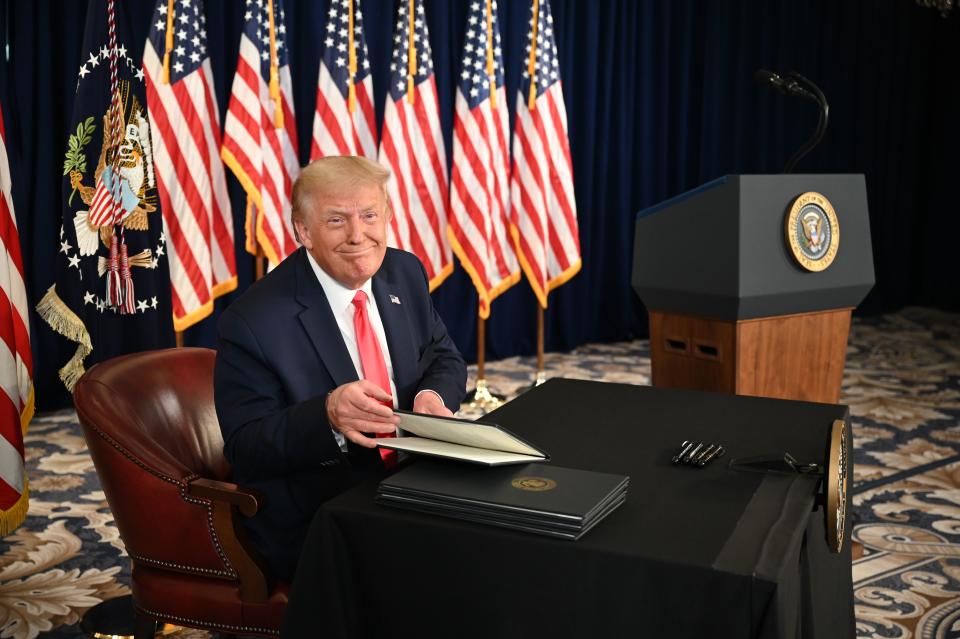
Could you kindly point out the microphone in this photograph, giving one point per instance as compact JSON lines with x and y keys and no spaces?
{"x":788,"y":86}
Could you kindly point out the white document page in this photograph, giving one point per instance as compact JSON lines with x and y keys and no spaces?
{"x":455,"y":451}
{"x":465,"y":433}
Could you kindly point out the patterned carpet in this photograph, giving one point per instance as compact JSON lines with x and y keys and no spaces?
{"x":902,"y":383}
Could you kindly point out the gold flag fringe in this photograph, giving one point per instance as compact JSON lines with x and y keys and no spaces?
{"x":64,"y":321}
{"x":12,"y":518}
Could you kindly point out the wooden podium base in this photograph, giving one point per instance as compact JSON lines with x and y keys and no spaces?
{"x":788,"y":356}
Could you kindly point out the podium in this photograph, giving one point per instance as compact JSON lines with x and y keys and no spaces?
{"x":750,"y":281}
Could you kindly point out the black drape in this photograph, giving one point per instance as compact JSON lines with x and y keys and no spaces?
{"x":660,"y":98}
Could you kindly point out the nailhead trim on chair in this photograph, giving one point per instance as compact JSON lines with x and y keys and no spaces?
{"x":205,"y":624}
{"x":182,"y":487}
{"x":207,"y":503}
{"x":182,"y":567}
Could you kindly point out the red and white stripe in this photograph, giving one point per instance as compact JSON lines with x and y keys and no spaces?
{"x":197,"y":216}
{"x":412,"y":148}
{"x":16,"y":362}
{"x":102,"y":205}
{"x":263,"y":157}
{"x":542,"y":200}
{"x":337,"y":131}
{"x":479,"y":198}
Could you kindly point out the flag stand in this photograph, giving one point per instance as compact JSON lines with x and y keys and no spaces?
{"x":481,"y":397}
{"x":541,"y":375}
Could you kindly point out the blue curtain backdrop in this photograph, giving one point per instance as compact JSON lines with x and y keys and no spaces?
{"x":660,"y":98}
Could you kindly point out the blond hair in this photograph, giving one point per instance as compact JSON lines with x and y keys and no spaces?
{"x":333,"y":174}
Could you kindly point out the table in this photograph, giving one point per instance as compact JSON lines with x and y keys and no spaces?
{"x":692,"y":553}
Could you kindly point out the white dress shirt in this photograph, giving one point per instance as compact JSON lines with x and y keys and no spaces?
{"x":341,"y":303}
{"x":340,"y":299}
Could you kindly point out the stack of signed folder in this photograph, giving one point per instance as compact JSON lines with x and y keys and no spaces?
{"x":502,"y":486}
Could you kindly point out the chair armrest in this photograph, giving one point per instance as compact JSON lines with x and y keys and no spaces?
{"x":228,"y":499}
{"x":248,"y":503}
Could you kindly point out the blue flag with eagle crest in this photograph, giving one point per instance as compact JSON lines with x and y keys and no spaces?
{"x":111,"y":294}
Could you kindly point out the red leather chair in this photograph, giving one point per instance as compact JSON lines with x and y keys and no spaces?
{"x":152,"y":431}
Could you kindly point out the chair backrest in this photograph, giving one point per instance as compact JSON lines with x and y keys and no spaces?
{"x":151,"y":427}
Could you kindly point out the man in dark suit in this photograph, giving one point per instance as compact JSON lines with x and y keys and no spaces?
{"x":312,"y":357}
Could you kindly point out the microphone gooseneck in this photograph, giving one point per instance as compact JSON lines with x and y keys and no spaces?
{"x":797,"y":85}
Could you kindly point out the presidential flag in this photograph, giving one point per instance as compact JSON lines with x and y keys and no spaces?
{"x":479,"y":181}
{"x":16,"y":362}
{"x":112,"y":289}
{"x":344,"y":123}
{"x":260,"y":134}
{"x":412,"y":148}
{"x":542,"y":205}
{"x":182,"y":105}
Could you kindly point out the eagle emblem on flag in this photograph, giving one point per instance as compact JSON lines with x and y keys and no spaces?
{"x":134,"y":181}
{"x":111,"y":290}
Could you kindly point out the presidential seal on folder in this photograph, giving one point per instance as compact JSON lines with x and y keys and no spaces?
{"x":482,"y":443}
{"x":536,"y":498}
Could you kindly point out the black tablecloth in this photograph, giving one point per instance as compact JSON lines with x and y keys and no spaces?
{"x":692,"y":553}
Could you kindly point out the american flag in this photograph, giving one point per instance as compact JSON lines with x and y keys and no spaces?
{"x":479,"y":190}
{"x":183,"y":114}
{"x":260,"y":136}
{"x":16,"y":363}
{"x":541,"y":184}
{"x":412,"y":147}
{"x":344,"y":123}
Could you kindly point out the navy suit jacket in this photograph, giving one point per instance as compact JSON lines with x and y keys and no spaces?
{"x":280,"y":353}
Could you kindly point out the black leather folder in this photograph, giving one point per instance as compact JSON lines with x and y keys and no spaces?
{"x":538,"y":498}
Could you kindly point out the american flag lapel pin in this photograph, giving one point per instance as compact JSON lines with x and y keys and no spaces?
{"x":394,"y":299}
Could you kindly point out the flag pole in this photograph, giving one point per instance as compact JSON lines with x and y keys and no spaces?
{"x":481,"y":397}
{"x":258,"y":264}
{"x":541,"y":373}
{"x":179,"y":337}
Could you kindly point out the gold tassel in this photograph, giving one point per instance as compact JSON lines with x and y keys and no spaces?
{"x":351,"y":61}
{"x":169,"y":43}
{"x":275,"y":72}
{"x":491,"y":68}
{"x":532,"y":65}
{"x":411,"y":58}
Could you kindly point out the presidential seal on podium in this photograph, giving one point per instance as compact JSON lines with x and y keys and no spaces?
{"x":812,"y":230}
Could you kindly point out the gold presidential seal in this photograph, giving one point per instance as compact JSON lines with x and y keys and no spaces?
{"x":812,"y":230}
{"x":836,"y":486}
{"x":534,"y":484}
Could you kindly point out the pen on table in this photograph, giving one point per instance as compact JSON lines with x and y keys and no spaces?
{"x":683,"y":451}
{"x":703,"y":453}
{"x":718,"y":452}
{"x":686,"y":459}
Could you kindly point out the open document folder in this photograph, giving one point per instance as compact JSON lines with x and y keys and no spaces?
{"x":450,"y":438}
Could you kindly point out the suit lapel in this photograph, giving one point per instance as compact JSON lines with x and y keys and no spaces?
{"x":321,"y":326}
{"x":396,"y":325}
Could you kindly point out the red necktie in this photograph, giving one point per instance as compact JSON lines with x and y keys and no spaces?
{"x":371,"y":360}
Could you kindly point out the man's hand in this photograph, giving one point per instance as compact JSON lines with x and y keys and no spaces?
{"x":355,"y":408}
{"x":429,"y":403}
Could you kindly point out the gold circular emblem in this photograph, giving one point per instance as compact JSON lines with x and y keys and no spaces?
{"x":534,"y":484}
{"x":813,"y":233}
{"x":836,"y":486}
